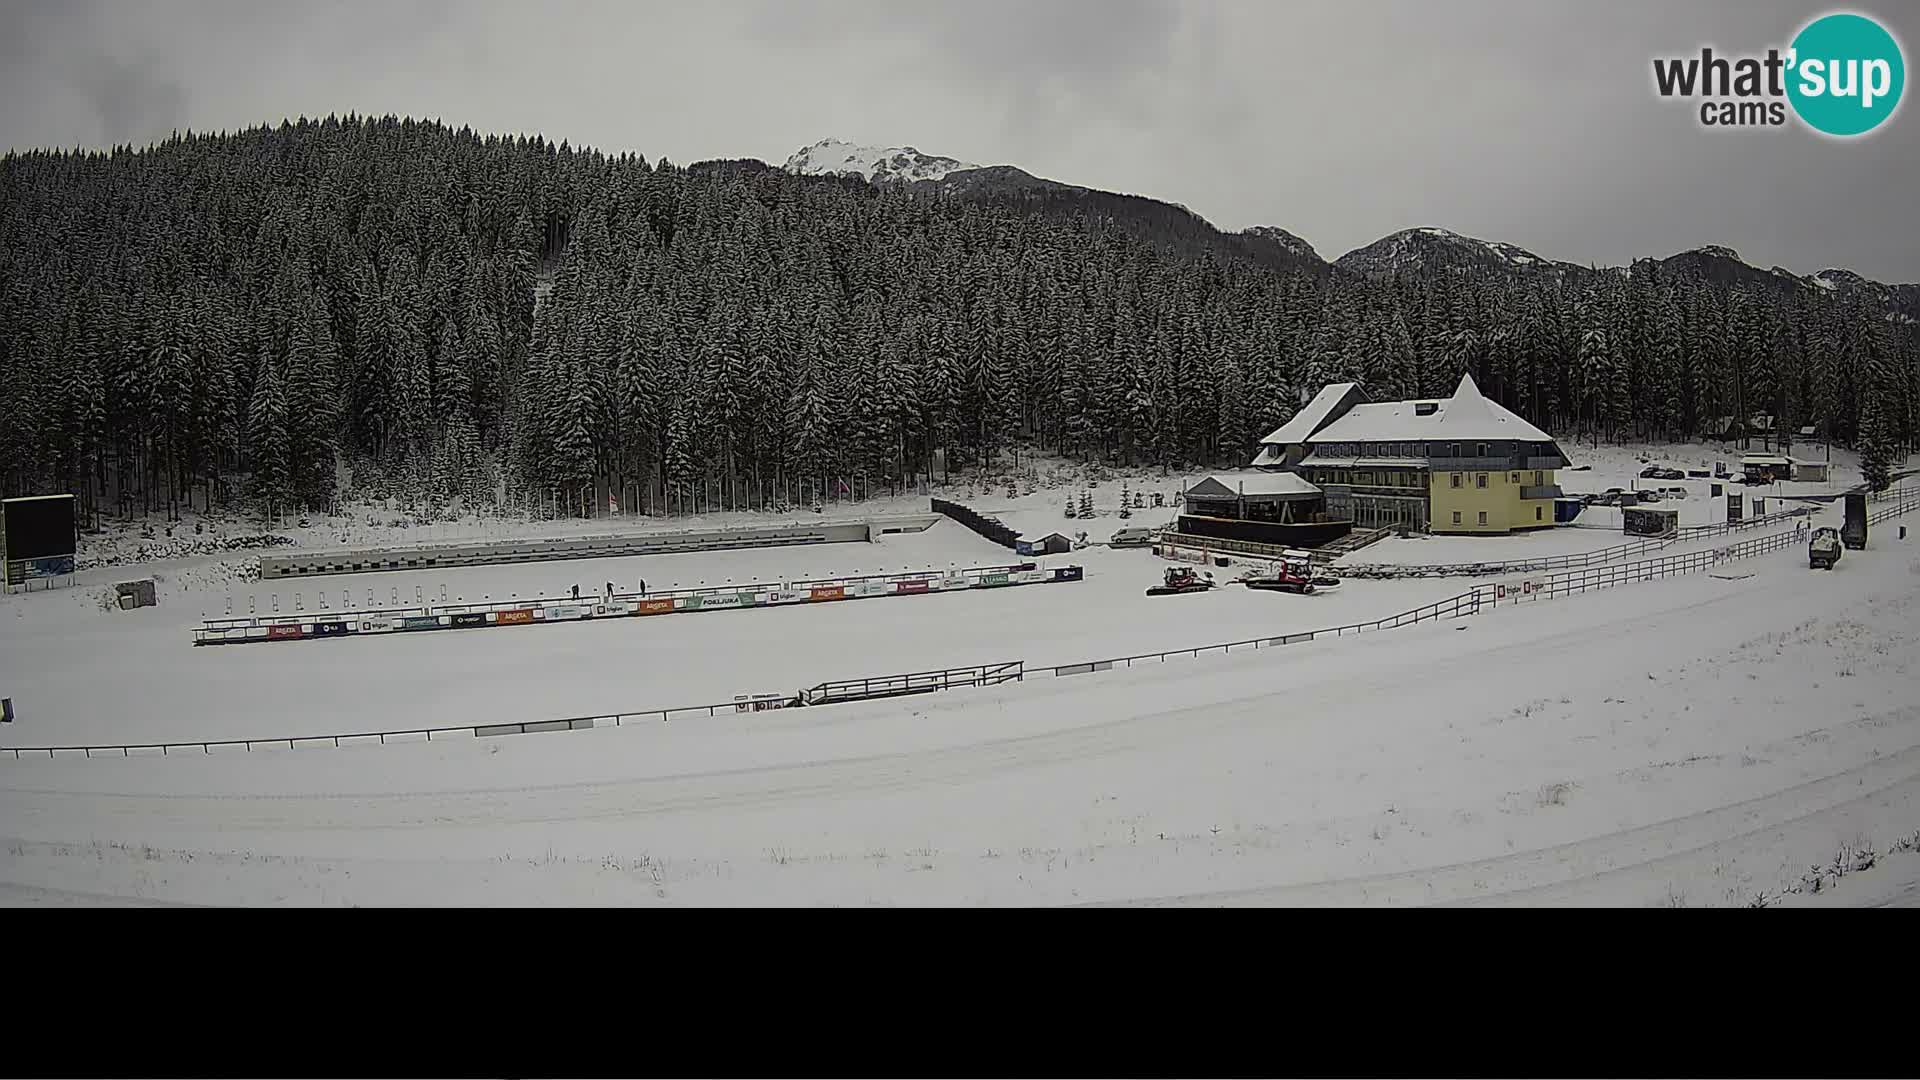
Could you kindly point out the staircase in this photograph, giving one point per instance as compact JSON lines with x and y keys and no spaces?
{"x":1354,"y":541}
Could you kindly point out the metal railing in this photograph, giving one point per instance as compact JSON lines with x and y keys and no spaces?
{"x":1466,"y":603}
{"x":827,"y":693}
{"x":1576,"y":561}
{"x":349,"y":738}
{"x":837,"y":691}
{"x":1569,"y":584}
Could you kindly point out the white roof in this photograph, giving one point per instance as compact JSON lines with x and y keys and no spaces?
{"x":1300,"y":428}
{"x":1465,"y":415}
{"x":1765,"y":459}
{"x":1266,"y":484}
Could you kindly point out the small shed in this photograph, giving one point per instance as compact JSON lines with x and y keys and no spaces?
{"x":1813,"y":472}
{"x":1649,"y":521}
{"x":1052,"y":543}
{"x":135,"y":594}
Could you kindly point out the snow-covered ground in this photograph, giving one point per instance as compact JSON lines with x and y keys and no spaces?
{"x":1696,"y":740}
{"x":145,"y":682}
{"x":1690,"y":741}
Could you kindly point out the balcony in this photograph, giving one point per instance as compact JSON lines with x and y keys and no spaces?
{"x":1472,"y":464}
{"x":1542,"y":491}
{"x":1545,"y":463}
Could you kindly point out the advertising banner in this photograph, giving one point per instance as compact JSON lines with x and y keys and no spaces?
{"x":21,"y":571}
{"x":661,"y":606}
{"x":420,"y":622}
{"x":516,"y":615}
{"x":564,"y":611}
{"x":831,"y":592}
{"x":329,"y":629}
{"x":283,"y":632}
{"x":470,"y":618}
{"x":375,"y":624}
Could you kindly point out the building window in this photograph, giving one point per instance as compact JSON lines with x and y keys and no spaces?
{"x":1482,"y":448}
{"x":1456,"y":517}
{"x":1536,"y":478}
{"x":1536,"y":512}
{"x":1483,"y":517}
{"x":1480,"y":480}
{"x":1456,"y":479}
{"x":1513,"y":478}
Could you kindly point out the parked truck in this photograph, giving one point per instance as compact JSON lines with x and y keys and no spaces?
{"x":1824,"y":551}
{"x":1854,"y":531}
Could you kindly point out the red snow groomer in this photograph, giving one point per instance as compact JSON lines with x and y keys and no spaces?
{"x":1181,"y":579}
{"x":1294,"y":576}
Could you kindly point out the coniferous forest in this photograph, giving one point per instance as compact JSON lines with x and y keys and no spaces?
{"x":228,"y":320}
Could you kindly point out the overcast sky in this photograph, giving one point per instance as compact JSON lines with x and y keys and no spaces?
{"x":1528,"y":121}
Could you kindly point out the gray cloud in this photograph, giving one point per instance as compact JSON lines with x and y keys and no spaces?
{"x":1533,"y":123}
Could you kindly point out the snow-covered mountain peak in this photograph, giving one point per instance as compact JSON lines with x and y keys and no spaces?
{"x":1720,"y":251}
{"x":832,"y":157}
{"x":1285,"y":239}
{"x":1428,"y":247}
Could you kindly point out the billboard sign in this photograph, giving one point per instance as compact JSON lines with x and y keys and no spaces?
{"x":38,"y":536}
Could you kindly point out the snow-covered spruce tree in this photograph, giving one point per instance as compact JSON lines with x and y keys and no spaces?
{"x":1876,"y":443}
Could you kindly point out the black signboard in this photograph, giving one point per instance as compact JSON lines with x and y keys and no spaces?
{"x":40,"y":527}
{"x":323,"y":629}
{"x":38,"y":537}
{"x":470,"y":618}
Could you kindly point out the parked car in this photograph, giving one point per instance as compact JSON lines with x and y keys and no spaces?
{"x":1132,"y":536}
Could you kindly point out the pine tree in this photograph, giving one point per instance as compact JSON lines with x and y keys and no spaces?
{"x":1876,"y":443}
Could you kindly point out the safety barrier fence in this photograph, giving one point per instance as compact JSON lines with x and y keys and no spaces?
{"x":1480,"y":598}
{"x":546,"y":610}
{"x":1577,"y":561}
{"x":1572,"y":583}
{"x":1466,"y":603}
{"x":838,"y":691}
{"x":992,"y":529}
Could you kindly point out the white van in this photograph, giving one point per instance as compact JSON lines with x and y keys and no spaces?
{"x":1132,"y":536}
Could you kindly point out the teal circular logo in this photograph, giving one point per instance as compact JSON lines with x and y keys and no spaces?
{"x":1846,"y":74}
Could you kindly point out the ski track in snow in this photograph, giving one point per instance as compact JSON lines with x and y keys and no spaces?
{"x":1523,"y":756}
{"x":1684,"y":741}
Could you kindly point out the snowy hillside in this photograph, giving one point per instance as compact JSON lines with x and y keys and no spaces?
{"x":1291,"y":243}
{"x":832,"y":157}
{"x":1430,"y":248}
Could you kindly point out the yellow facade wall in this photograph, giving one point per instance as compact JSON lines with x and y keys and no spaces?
{"x":1500,"y":500}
